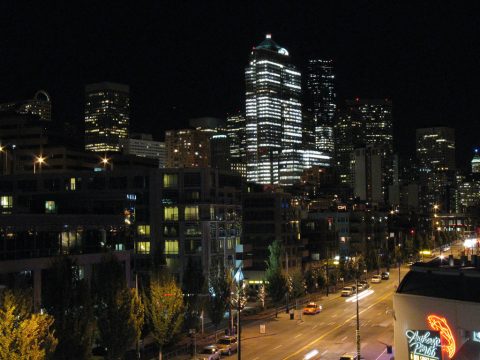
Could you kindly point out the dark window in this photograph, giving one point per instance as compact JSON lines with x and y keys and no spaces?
{"x":27,"y":185}
{"x":6,"y":186}
{"x":51,"y":184}
{"x":192,"y":179}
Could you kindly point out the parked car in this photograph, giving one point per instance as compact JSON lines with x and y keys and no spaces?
{"x":312,"y":309}
{"x":348,"y":290}
{"x":363,"y":285}
{"x":385,"y":275}
{"x":376,"y":279}
{"x":210,"y":352}
{"x":227,"y":345}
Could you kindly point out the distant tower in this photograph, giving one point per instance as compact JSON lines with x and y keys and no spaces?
{"x":236,"y":134}
{"x":476,"y":162}
{"x":321,"y":101}
{"x":436,"y":149}
{"x":273,"y":116}
{"x":107,"y":108}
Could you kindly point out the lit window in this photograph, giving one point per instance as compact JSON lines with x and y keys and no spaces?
{"x":73,"y":184}
{"x":170,"y":180}
{"x":171,"y":247}
{"x":191,"y":212}
{"x":143,"y":230}
{"x":6,"y":202}
{"x":50,"y":207}
{"x":143,"y":247}
{"x":171,"y":213}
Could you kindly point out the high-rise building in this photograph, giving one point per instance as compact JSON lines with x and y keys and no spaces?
{"x":220,"y":152}
{"x":368,"y":174}
{"x":236,"y":135}
{"x":273,"y":116}
{"x":40,"y":105}
{"x":107,"y":118}
{"x":143,"y":145}
{"x":187,"y":148}
{"x":321,"y":101}
{"x":349,"y":135}
{"x":476,"y":162}
{"x":435,"y":149}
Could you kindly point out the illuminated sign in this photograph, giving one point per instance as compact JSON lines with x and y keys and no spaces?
{"x":476,"y":336}
{"x":424,"y":345}
{"x":440,"y":324}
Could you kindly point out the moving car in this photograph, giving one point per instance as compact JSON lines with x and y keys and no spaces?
{"x":363,"y":285}
{"x":210,"y":352}
{"x":312,"y":309}
{"x":376,"y":279}
{"x":227,"y":345}
{"x":385,"y":275}
{"x":348,"y":290}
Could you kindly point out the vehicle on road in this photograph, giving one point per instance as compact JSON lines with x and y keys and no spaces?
{"x":348,"y":291}
{"x":210,"y":352}
{"x":376,"y":279}
{"x":350,"y":356}
{"x":385,"y":275}
{"x":227,"y":345}
{"x":363,"y":285}
{"x":312,"y":309}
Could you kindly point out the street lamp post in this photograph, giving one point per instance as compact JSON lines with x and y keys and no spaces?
{"x":358,"y":318}
{"x":239,"y":279}
{"x":40,"y":160}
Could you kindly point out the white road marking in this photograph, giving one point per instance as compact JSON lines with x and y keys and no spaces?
{"x":331,"y":323}
{"x":379,"y":356}
{"x":256,"y":358}
{"x":344,"y":338}
{"x":277,"y":347}
{"x":323,"y":353}
{"x":334,"y":316}
{"x":297,"y":335}
{"x":314,"y":327}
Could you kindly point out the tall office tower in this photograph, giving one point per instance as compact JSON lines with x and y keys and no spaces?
{"x":107,"y":107}
{"x":476,"y":162}
{"x":220,"y":152}
{"x":40,"y":105}
{"x":348,"y":135}
{"x":187,"y":148}
{"x":321,"y":101}
{"x":273,"y":116}
{"x":143,"y":145}
{"x":368,"y":174}
{"x":435,"y":149}
{"x":236,"y":135}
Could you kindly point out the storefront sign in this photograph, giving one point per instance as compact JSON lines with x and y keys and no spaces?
{"x":439,"y":323}
{"x":476,"y":336}
{"x":424,"y":345}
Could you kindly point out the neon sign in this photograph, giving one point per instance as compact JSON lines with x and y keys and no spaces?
{"x":440,"y":324}
{"x":424,"y":345}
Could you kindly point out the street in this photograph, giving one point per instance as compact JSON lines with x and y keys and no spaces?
{"x":331,"y":332}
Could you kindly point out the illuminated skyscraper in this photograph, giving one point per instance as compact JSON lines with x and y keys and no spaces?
{"x":436,"y":149}
{"x":273,"y":116}
{"x":321,"y":101}
{"x":107,"y":118}
{"x":476,"y":162}
{"x":236,"y":135}
{"x":187,"y":148}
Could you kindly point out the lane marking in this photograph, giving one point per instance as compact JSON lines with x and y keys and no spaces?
{"x":379,"y":356}
{"x":309,"y":345}
{"x":344,"y":338}
{"x":256,"y":358}
{"x":314,"y":327}
{"x":277,"y":347}
{"x":323,"y":353}
{"x":297,"y":335}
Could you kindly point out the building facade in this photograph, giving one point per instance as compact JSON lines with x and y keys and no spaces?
{"x":187,"y":148}
{"x":40,"y":106}
{"x":143,"y":145}
{"x":273,"y":116}
{"x":236,"y":132}
{"x":321,"y":99}
{"x":107,"y":116}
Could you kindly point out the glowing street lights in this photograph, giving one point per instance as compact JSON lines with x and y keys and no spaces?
{"x":40,"y":160}
{"x":105,"y":161}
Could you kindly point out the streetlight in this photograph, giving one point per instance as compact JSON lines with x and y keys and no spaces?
{"x":105,"y":161}
{"x":239,"y":280}
{"x":358,"y":314}
{"x":38,"y":160}
{"x":3,"y":149}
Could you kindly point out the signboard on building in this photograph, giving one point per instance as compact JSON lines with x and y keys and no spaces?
{"x":476,"y":336}
{"x":424,"y":345}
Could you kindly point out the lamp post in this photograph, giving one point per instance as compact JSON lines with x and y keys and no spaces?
{"x":239,"y":280}
{"x":358,"y":316}
{"x":105,"y":161}
{"x":40,"y":160}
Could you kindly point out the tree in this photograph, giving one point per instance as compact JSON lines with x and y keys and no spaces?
{"x":321,"y":281}
{"x":298,"y":284}
{"x":219,"y":283}
{"x":262,"y":294}
{"x":164,"y":309}
{"x":24,"y":335}
{"x":193,"y":286}
{"x":68,"y":299}
{"x":276,"y":282}
{"x":310,"y":280}
{"x":119,"y":310}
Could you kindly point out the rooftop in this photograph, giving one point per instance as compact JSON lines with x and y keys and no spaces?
{"x":269,"y":44}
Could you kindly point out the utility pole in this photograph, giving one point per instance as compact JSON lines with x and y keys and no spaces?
{"x":286,"y":267}
{"x":328,"y":278}
{"x":358,"y":318}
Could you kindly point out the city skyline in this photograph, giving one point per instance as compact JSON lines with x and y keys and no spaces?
{"x":377,"y":60}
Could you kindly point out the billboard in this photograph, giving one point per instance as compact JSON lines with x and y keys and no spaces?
{"x":424,"y":345}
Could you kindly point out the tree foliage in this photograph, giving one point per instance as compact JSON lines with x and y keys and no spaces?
{"x":68,"y":299}
{"x":164,"y":309}
{"x":119,"y":310}
{"x":298,"y":284}
{"x":276,"y":283}
{"x":193,"y":286}
{"x":219,"y":283}
{"x":24,"y":335}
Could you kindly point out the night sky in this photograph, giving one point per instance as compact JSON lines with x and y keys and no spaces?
{"x":186,"y":59}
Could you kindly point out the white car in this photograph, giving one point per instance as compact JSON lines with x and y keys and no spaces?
{"x":376,"y":279}
{"x":227,"y":345}
{"x":210,"y":352}
{"x":348,"y":291}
